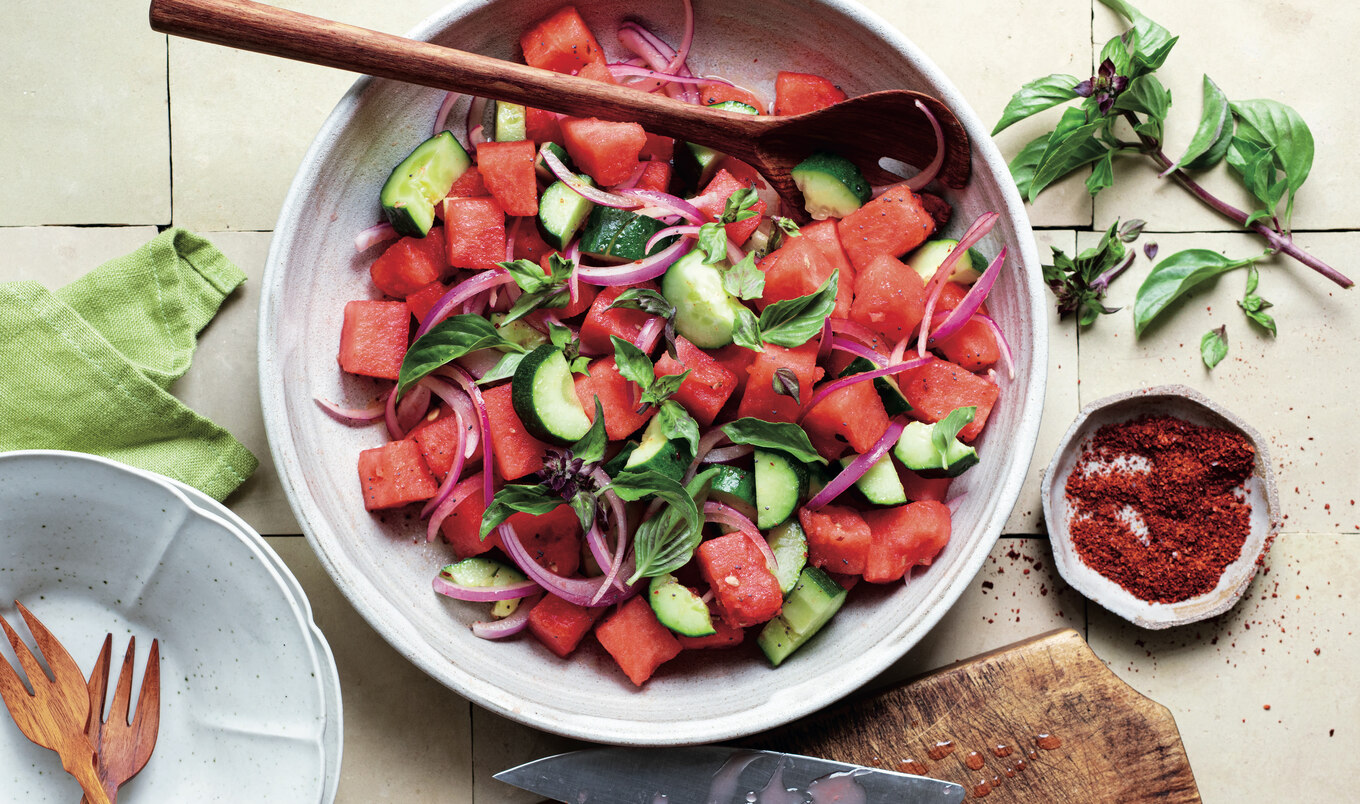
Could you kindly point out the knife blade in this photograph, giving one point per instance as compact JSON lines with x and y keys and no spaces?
{"x":718,"y":775}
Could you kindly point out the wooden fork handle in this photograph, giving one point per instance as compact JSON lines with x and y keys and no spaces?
{"x":278,"y":32}
{"x":84,"y":767}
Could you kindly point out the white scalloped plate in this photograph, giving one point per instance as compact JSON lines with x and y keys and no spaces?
{"x":91,"y":546}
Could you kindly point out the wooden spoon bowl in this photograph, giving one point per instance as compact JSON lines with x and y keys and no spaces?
{"x":866,"y":128}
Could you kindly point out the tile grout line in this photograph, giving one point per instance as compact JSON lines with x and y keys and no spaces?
{"x":169,"y":136}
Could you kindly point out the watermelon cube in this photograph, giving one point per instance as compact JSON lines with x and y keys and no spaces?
{"x":552,"y":539}
{"x":760,"y":399}
{"x":890,"y":298}
{"x":410,"y":264}
{"x":853,"y":415}
{"x":373,"y":338}
{"x":746,"y":592}
{"x":838,"y":539}
{"x":516,"y":452}
{"x":619,"y":398}
{"x":637,"y":640}
{"x":892,"y":224}
{"x":394,"y":475}
{"x":508,"y":170}
{"x":474,"y":229}
{"x":561,"y":42}
{"x":561,"y":625}
{"x":904,"y":536}
{"x":601,"y":322}
{"x":708,"y":386}
{"x":800,"y":93}
{"x":938,"y":387}
{"x":606,"y":151}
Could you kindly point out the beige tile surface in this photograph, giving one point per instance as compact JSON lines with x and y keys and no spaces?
{"x":1246,"y":58}
{"x":55,"y":255}
{"x":1264,"y":695}
{"x":227,"y":354}
{"x":1016,"y":52}
{"x":1060,"y":395}
{"x":407,"y":738}
{"x":243,"y":121}
{"x":1290,"y":388}
{"x":84,"y":123}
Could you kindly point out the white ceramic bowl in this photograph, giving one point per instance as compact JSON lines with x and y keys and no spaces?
{"x":382,"y":564}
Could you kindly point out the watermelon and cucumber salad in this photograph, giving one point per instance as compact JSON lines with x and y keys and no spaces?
{"x":635,"y":398}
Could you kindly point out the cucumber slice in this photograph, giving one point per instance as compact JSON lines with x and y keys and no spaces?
{"x":880,"y":485}
{"x":422,"y":180}
{"x":781,"y":482}
{"x":894,"y":402}
{"x":928,"y":256}
{"x":518,"y":331}
{"x":813,"y":601}
{"x":705,"y":313}
{"x":615,"y":464}
{"x":790,"y":546}
{"x":734,"y":487}
{"x":541,"y":166}
{"x":916,"y":450}
{"x":544,"y":397}
{"x":510,"y":122}
{"x":819,"y":476}
{"x":734,"y":106}
{"x":678,"y":608}
{"x":660,"y":454}
{"x":479,"y":571}
{"x":562,"y":212}
{"x":832,"y":186}
{"x":618,"y":235}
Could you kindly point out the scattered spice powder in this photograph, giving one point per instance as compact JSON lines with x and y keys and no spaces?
{"x":1158,"y":506}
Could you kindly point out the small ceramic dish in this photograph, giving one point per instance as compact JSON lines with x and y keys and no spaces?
{"x":1189,"y":405}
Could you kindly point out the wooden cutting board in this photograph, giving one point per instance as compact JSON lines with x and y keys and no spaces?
{"x":1043,"y":720}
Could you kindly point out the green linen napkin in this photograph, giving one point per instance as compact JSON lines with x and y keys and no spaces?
{"x":88,"y":368}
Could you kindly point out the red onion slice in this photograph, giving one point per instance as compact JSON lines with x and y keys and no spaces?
{"x":824,"y":341}
{"x":510,"y":236}
{"x":680,"y":206}
{"x":684,"y":230}
{"x":634,"y":272}
{"x":356,"y":416}
{"x":451,"y":397}
{"x":726,"y":454}
{"x":971,"y":301}
{"x":373,"y":235}
{"x":441,"y":117}
{"x":706,"y":444}
{"x":649,"y":334}
{"x":506,"y":626}
{"x":593,"y":194}
{"x":975,"y":232}
{"x":864,"y":376}
{"x":920,"y":180}
{"x":856,"y":330}
{"x":401,"y":417}
{"x":483,"y":594}
{"x":1006,"y":357}
{"x":573,"y":590}
{"x":686,"y":40}
{"x":619,"y":70}
{"x":450,"y":504}
{"x":632,"y":180}
{"x":858,"y":466}
{"x":461,"y":292}
{"x":469,"y":385}
{"x":727,"y":515}
{"x":858,"y":350}
{"x":657,"y":54}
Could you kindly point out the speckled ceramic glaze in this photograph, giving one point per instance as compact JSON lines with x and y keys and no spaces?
{"x":382,"y":562}
{"x":249,"y":693}
{"x":1184,"y":403}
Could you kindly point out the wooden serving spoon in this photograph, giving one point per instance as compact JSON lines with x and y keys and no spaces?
{"x":863,"y":129}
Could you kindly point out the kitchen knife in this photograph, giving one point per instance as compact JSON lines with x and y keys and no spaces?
{"x":718,"y":775}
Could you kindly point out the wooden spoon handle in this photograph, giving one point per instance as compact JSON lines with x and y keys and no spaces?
{"x":278,"y":32}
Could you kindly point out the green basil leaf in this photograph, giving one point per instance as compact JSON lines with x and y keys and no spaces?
{"x":559,"y":335}
{"x":1173,"y":277}
{"x":738,"y":206}
{"x":633,"y":363}
{"x":556,"y":296}
{"x":1274,"y":124}
{"x":528,"y":275}
{"x":744,"y":280}
{"x":504,"y":368}
{"x":446,"y":341}
{"x":536,"y":500}
{"x":1213,"y":347}
{"x":1152,"y":42}
{"x":664,"y":386}
{"x":793,"y":322}
{"x":590,"y":448}
{"x":1023,"y":165}
{"x":1146,"y":95}
{"x":677,"y":424}
{"x":712,"y":242}
{"x":1102,"y":175}
{"x":580,"y":365}
{"x":1116,"y":51}
{"x":644,"y":299}
{"x":1069,"y":147}
{"x":632,"y":485}
{"x":1255,"y":165}
{"x":773,"y":435}
{"x":1262,"y":318}
{"x":584,"y":504}
{"x":1211,"y":139}
{"x":1253,"y":279}
{"x":944,"y":432}
{"x":667,"y":541}
{"x":788,"y":226}
{"x":1036,"y":96}
{"x":785,"y":383}
{"x":746,"y":332}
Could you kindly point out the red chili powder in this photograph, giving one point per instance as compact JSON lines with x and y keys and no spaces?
{"x":1183,"y":482}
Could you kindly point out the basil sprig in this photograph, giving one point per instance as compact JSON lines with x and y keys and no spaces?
{"x":783,"y":436}
{"x":539,"y":290}
{"x":789,"y":322}
{"x":666,"y":541}
{"x":447,"y":341}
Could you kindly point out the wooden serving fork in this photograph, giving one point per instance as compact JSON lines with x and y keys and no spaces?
{"x":55,"y":714}
{"x":124,"y":748}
